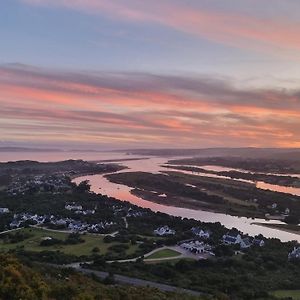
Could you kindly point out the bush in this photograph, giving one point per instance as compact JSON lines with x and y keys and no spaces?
{"x":96,"y":250}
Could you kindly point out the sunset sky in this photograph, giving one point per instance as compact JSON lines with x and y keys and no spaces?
{"x":149,"y":74}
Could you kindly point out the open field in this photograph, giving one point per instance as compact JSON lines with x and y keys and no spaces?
{"x":37,"y":234}
{"x":287,"y":294}
{"x":165,"y":253}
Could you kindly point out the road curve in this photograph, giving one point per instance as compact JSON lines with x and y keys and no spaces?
{"x":121,"y":279}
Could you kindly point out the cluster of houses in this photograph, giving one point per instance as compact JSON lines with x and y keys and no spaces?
{"x":41,"y":183}
{"x":294,"y":254}
{"x":234,"y":238}
{"x":78,"y":209}
{"x":198,"y":246}
{"x":128,"y":212}
{"x":67,"y":223}
{"x":166,"y":230}
{"x":274,"y":207}
{"x":78,"y":226}
{"x":20,"y":219}
{"x":231,"y":238}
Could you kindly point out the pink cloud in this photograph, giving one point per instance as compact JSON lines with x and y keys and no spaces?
{"x":57,"y":105}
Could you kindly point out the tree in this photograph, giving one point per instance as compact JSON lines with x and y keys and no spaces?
{"x":96,"y":250}
{"x":292,"y":219}
{"x":109,"y":279}
{"x":83,"y":187}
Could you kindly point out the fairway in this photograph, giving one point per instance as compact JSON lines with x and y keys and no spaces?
{"x":283,"y":294}
{"x":33,"y":243}
{"x":165,"y":253}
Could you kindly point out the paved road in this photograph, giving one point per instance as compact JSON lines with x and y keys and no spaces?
{"x":113,"y":234}
{"x":135,"y":281}
{"x":125,"y":221}
{"x":182,"y":253}
{"x":11,"y":230}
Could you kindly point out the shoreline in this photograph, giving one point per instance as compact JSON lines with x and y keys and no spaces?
{"x":118,"y":160}
{"x":78,"y":175}
{"x":160,"y":201}
{"x":281,"y":227}
{"x":280,"y":180}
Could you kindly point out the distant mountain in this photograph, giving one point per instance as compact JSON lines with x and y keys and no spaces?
{"x":251,"y":152}
{"x":86,"y":150}
{"x":23,"y":149}
{"x":290,"y":155}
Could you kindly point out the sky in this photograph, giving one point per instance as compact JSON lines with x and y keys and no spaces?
{"x":111,"y":74}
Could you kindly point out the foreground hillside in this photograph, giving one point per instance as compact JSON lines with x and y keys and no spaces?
{"x":19,"y":281}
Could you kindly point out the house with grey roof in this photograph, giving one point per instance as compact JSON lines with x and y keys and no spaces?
{"x":294,"y":254}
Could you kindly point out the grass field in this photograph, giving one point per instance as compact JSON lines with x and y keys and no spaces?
{"x":33,"y":243}
{"x":171,"y":261}
{"x":2,"y":187}
{"x":281,"y":294}
{"x":165,"y":253}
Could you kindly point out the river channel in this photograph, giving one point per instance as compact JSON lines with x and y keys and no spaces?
{"x":100,"y":184}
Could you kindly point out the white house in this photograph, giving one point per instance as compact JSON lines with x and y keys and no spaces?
{"x":85,"y":212}
{"x":61,"y":222}
{"x":295,"y":254}
{"x":232,"y":238}
{"x":201,"y":233}
{"x":165,"y":230}
{"x":4,"y":210}
{"x":245,"y":243}
{"x":73,"y":206}
{"x":258,"y":242}
{"x":77,"y":226}
{"x":15,"y":224}
{"x":196,"y":247}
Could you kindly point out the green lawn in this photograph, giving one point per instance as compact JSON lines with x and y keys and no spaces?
{"x":165,"y":253}
{"x":280,"y":294}
{"x":33,"y":243}
{"x":171,"y":261}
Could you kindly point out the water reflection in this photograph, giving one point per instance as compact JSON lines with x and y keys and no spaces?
{"x":259,"y":184}
{"x":99,"y":184}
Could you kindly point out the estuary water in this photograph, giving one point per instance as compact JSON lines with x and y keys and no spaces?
{"x":99,"y":184}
